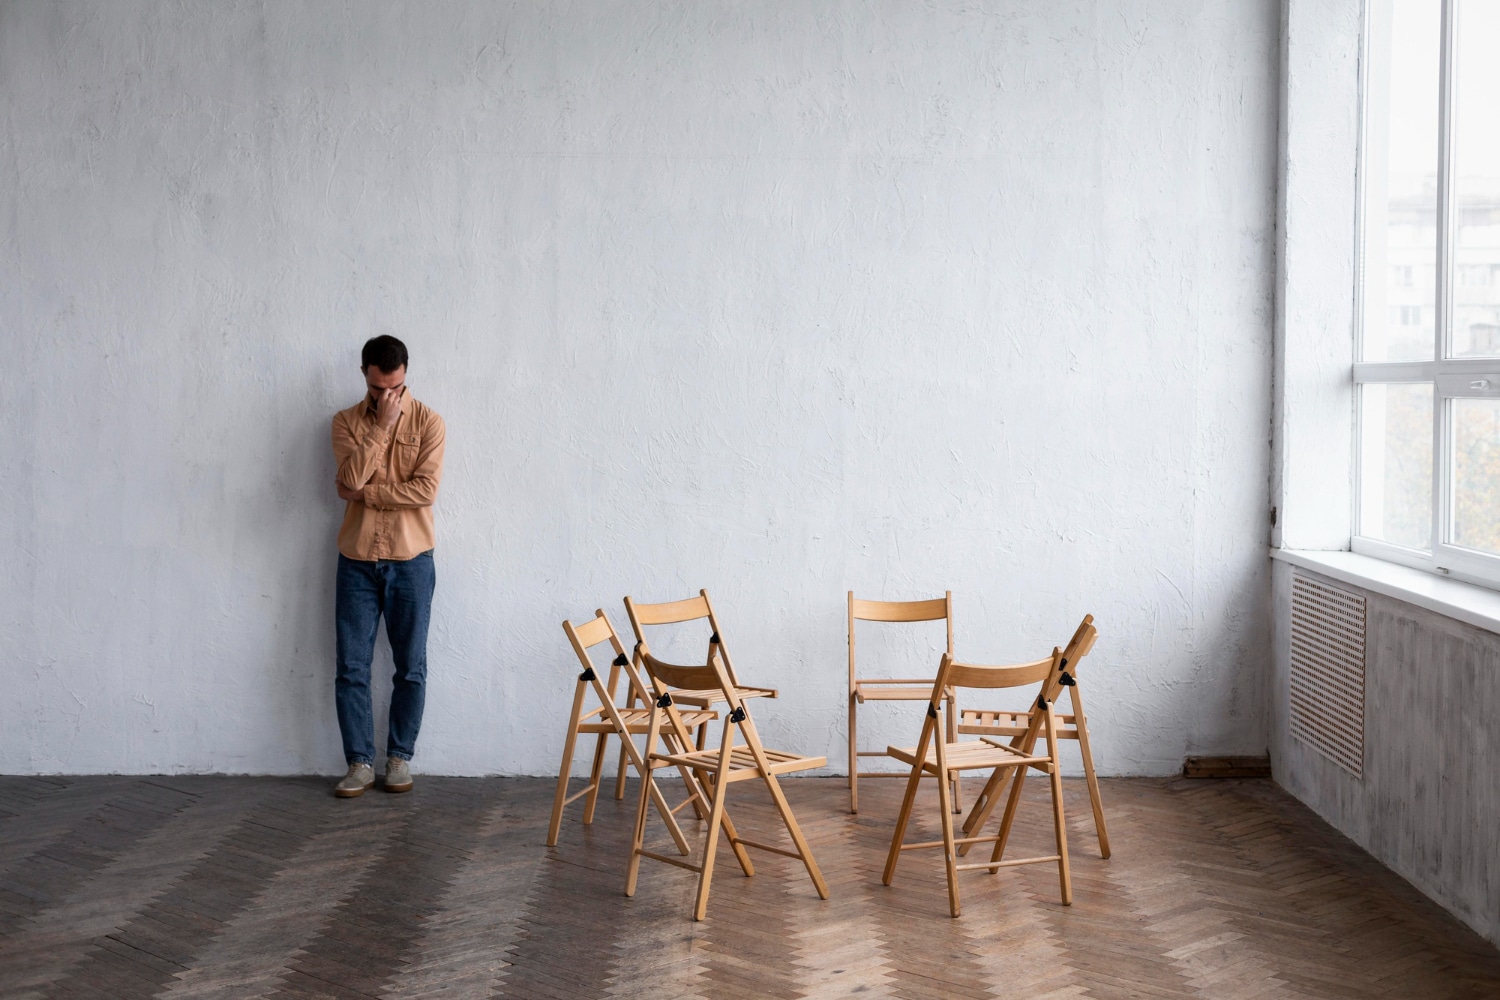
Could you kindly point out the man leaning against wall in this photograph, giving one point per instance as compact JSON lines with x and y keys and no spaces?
{"x":389,"y":452}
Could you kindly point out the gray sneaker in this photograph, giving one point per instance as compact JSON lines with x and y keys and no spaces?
{"x":359,"y":778}
{"x":397,"y":775}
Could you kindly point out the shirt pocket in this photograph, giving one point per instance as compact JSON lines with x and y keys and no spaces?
{"x":407,"y":446}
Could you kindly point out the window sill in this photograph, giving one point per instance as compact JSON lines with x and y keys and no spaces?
{"x":1463,"y":602}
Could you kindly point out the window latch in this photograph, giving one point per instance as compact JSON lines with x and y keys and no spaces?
{"x":1480,"y":383}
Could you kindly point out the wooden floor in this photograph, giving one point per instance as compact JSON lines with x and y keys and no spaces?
{"x":250,"y":887}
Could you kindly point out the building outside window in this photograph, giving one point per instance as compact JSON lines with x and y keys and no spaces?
{"x":1428,"y":369}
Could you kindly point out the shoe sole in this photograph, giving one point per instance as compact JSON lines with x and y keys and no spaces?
{"x":398,"y":788}
{"x":351,"y":793}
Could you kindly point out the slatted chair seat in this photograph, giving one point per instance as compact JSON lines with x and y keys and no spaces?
{"x":970,"y":754}
{"x":975,"y":722}
{"x":638,"y":721}
{"x":903,"y":690}
{"x":742,"y":762}
{"x":706,"y":698}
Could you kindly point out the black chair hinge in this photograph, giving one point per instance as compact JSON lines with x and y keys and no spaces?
{"x":665,"y":701}
{"x":587,"y":675}
{"x":1041,"y":702}
{"x":713,"y":640}
{"x":1066,"y":680}
{"x":738,"y":715}
{"x":931,"y":711}
{"x":620,"y":660}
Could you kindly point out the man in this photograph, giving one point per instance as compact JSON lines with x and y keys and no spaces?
{"x":389,"y":452}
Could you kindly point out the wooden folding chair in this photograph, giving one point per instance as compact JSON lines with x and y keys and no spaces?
{"x":692,"y":609}
{"x":718,"y":768}
{"x":608,"y":719}
{"x":942,"y":759}
{"x":863,"y":689}
{"x":1022,"y":729}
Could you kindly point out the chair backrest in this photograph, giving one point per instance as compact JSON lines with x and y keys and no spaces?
{"x":591,"y":633}
{"x":675,"y":612}
{"x":952,"y":673}
{"x":1083,"y":640}
{"x":934,"y":609}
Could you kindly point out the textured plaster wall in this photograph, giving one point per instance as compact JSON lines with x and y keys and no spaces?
{"x":776,"y":299}
{"x":1428,"y":803}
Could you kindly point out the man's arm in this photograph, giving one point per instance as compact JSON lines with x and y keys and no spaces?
{"x":356,"y":461}
{"x":421,"y":489}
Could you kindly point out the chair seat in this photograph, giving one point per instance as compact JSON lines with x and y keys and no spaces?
{"x":891,"y":691}
{"x":638,"y":721}
{"x":741,"y":762}
{"x":705,"y":697}
{"x":978,"y":722}
{"x":968,"y":754}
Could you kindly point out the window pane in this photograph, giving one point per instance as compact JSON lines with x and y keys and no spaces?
{"x":1476,"y":175}
{"x":1476,"y":474}
{"x":1400,"y":183}
{"x":1395,"y":494}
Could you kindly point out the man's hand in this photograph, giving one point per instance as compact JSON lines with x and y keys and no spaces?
{"x":388,"y":406}
{"x":345,"y":493}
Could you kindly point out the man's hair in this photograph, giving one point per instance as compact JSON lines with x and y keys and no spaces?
{"x":384,"y":352}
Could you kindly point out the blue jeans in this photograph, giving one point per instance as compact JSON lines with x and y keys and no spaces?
{"x":402,"y":591}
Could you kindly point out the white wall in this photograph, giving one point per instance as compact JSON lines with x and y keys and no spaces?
{"x":776,"y":299}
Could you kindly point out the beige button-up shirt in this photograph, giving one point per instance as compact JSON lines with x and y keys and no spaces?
{"x":399,"y":471}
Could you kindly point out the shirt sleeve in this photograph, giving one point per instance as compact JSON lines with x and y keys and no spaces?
{"x":357,"y":461}
{"x":421,"y":489}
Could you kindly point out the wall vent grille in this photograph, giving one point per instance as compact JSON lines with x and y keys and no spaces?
{"x":1328,"y":672}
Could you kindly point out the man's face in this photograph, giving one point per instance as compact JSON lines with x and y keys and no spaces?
{"x":379,"y":381}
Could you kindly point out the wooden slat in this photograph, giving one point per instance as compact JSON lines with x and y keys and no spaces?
{"x":900,"y":611}
{"x":973,"y":675}
{"x":671,"y":612}
{"x":592,"y":632}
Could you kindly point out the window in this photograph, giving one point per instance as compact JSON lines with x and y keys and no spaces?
{"x":1428,"y":368}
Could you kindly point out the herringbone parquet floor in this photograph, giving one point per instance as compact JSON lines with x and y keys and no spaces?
{"x":252,"y":887}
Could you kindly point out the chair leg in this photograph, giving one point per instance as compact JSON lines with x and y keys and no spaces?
{"x":853,"y":757}
{"x":710,"y":847}
{"x":952,"y":721}
{"x":1088,"y":773}
{"x":555,"y":823}
{"x":740,"y":854}
{"x":620,"y":775}
{"x":950,"y":855}
{"x":902,"y":817}
{"x":638,"y":838}
{"x":795,"y":831}
{"x":1058,"y":824}
{"x":596,"y":770}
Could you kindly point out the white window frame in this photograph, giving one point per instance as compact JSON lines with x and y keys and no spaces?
{"x":1451,"y":378}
